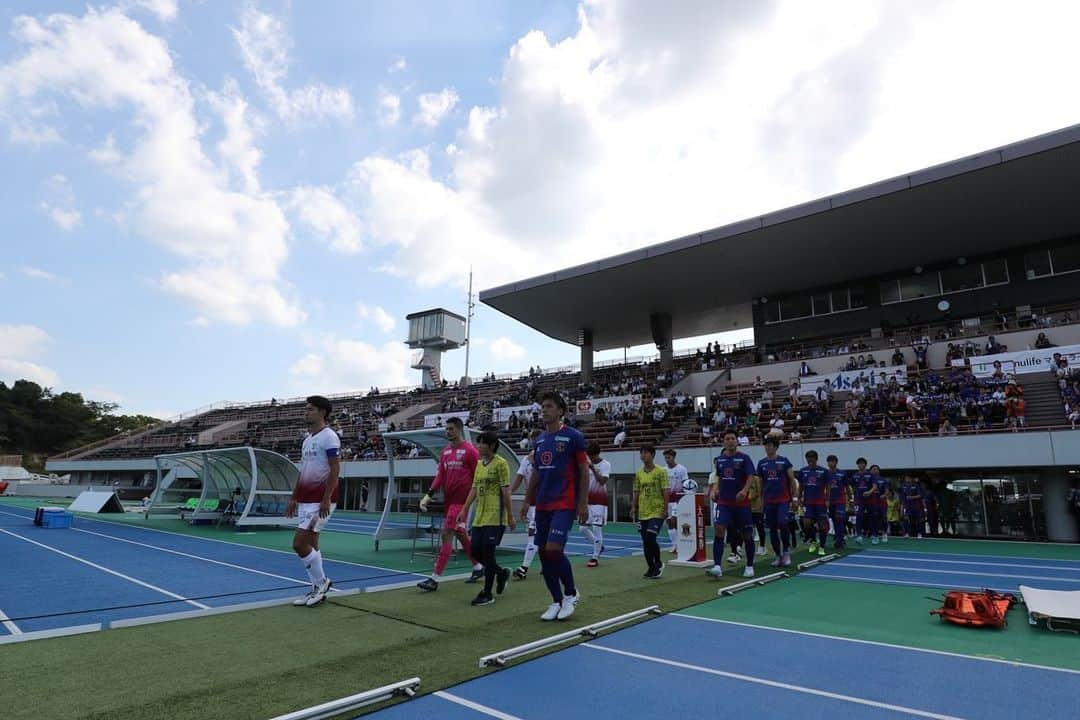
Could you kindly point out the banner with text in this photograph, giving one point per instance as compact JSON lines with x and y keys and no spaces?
{"x":1022,"y":362}
{"x":870,"y":377}
{"x":439,"y":419}
{"x":589,"y":407}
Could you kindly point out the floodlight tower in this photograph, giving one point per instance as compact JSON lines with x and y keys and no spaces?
{"x":433,"y":332}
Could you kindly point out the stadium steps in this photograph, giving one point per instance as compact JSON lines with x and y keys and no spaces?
{"x":836,"y":408}
{"x":1043,"y":398}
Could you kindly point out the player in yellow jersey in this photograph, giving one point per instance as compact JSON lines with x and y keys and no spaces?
{"x":491,"y":493}
{"x":649,"y":508}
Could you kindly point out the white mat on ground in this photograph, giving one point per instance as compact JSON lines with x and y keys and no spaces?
{"x":1051,"y":605}
{"x":96,"y":501}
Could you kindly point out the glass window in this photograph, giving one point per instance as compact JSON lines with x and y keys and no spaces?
{"x":890,"y":292}
{"x":796,"y":306}
{"x":914,"y":287}
{"x":821,"y":304}
{"x":772,"y":311}
{"x":1066,"y":259}
{"x":1037,"y":264}
{"x":839,"y":300}
{"x":996,"y":272}
{"x":962,"y":277}
{"x":857,"y":298}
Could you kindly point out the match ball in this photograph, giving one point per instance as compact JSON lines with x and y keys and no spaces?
{"x":689,"y":485}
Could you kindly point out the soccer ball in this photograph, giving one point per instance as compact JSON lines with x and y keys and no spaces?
{"x":689,"y":485}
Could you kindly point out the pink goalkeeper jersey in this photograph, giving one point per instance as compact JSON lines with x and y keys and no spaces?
{"x":457,"y":465}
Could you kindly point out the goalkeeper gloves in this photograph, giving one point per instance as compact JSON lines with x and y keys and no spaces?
{"x":424,"y":502}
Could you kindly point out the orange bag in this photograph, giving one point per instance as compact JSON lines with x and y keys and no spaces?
{"x":976,"y":609}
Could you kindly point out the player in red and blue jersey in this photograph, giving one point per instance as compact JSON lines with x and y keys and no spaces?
{"x":814,"y":496}
{"x":558,"y":489}
{"x":911,"y":495}
{"x":839,"y":490}
{"x":734,"y":472}
{"x":930,"y":501}
{"x":862,"y":482}
{"x":879,"y":495}
{"x":777,"y":479}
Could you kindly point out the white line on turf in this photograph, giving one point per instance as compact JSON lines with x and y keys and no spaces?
{"x":876,"y":552}
{"x":490,"y":712}
{"x":878,"y":643}
{"x":909,"y":558}
{"x":850,"y":564}
{"x":822,"y":574}
{"x":10,"y":626}
{"x":773,"y":683}
{"x":102,"y":568}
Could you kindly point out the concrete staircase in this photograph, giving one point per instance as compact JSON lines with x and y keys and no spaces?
{"x":1043,"y":398}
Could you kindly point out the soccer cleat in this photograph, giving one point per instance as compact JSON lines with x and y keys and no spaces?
{"x":821,"y":551}
{"x":476,"y":576}
{"x":302,"y":601}
{"x":786,"y":559}
{"x":733,"y":558}
{"x":660,"y":570}
{"x":648,"y":574}
{"x":482,"y":599}
{"x":552,"y":612}
{"x":748,"y":572}
{"x":500,"y":581}
{"x":858,"y":539}
{"x":428,"y":584}
{"x":885,"y":538}
{"x":715,"y":571}
{"x":319,"y":593}
{"x":778,"y":562}
{"x":813,"y":547}
{"x":593,"y":562}
{"x":874,"y":541}
{"x":521,"y":573}
{"x":569,"y":604}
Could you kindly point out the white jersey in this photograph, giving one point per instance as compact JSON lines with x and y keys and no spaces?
{"x":598,"y":494}
{"x":676,"y":477}
{"x":525,"y":468}
{"x":315,"y":466}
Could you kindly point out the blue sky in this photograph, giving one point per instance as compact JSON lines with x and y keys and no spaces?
{"x":212,"y":201}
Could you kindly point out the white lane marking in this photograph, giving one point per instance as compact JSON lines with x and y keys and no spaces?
{"x":490,"y":712}
{"x":9,"y":625}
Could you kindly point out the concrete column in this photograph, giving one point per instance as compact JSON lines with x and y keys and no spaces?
{"x":1061,"y":525}
{"x":660,"y":325}
{"x":586,"y":355}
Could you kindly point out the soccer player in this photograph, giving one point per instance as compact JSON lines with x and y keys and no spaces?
{"x":911,"y":495}
{"x":525,"y":469}
{"x":491,"y":493}
{"x":931,"y":502}
{"x":648,"y":508}
{"x":880,"y":495}
{"x":814,"y":497}
{"x":599,"y":472}
{"x":315,"y":495}
{"x":777,"y":480}
{"x":677,"y":477}
{"x":862,"y":482}
{"x":557,"y":488}
{"x":839,"y":495}
{"x":454,"y":475}
{"x":731,"y":493}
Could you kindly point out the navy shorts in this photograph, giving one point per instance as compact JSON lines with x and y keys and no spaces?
{"x":553,"y":526}
{"x":839,"y":513}
{"x":487,"y":535}
{"x":816,"y":512}
{"x":652,"y":525}
{"x":733,"y":516}
{"x":776,"y":515}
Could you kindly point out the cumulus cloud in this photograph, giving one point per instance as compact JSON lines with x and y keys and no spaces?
{"x":20,"y":349}
{"x":388,"y":108}
{"x":503,"y":348}
{"x":230,"y":243}
{"x":64,"y":219}
{"x":164,"y":10}
{"x":264,"y":44}
{"x":337,"y":364}
{"x":433,"y":107}
{"x":323,"y":212}
{"x":376,"y":314}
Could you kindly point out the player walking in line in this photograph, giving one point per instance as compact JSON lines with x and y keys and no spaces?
{"x":454,"y":475}
{"x":839,"y":495}
{"x":491,"y":493}
{"x":648,"y":508}
{"x":814,"y":496}
{"x":734,"y":471}
{"x":599,"y":472}
{"x":862,"y":482}
{"x":559,"y":491}
{"x":315,"y":495}
{"x":678,"y":478}
{"x":880,"y":494}
{"x":777,"y":480}
{"x":911,"y":495}
{"x":525,"y":469}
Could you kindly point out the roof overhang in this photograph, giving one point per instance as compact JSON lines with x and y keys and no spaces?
{"x":989,"y":202}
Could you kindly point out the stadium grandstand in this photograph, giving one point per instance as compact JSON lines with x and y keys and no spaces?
{"x":930,"y":322}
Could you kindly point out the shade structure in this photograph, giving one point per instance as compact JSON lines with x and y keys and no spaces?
{"x":203,"y":484}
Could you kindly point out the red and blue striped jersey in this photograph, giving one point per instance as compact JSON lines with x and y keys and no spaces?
{"x":775,"y":486}
{"x":814,"y":482}
{"x":732,"y":472}
{"x":838,"y":483}
{"x":557,"y":458}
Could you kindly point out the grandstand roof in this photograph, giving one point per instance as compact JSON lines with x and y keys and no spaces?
{"x":984,"y":203}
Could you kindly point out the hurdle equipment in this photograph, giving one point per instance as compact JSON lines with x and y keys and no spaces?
{"x":1059,"y":608}
{"x":96,"y":501}
{"x":753,"y":582}
{"x":354,"y":702}
{"x":590,"y":631}
{"x":817,"y":561}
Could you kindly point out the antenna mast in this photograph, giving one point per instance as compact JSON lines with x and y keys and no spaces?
{"x":470,"y":305}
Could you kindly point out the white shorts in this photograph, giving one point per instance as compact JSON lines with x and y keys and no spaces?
{"x":306,"y":512}
{"x":532,"y":518}
{"x":597,"y":515}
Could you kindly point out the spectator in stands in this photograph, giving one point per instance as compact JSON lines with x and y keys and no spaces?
{"x":743,"y":439}
{"x":946,"y":428}
{"x":619,"y":439}
{"x":920,"y":356}
{"x":524,"y":443}
{"x":805,"y":371}
{"x":841,"y":427}
{"x":707,"y":435}
{"x":822,"y":392}
{"x":897,"y":357}
{"x":776,"y":426}
{"x":755,"y":407}
{"x":1015,"y":413}
{"x":767,"y":397}
{"x":993,"y":347}
{"x":758,"y":383}
{"x":1074,"y":417}
{"x":1042,"y":342}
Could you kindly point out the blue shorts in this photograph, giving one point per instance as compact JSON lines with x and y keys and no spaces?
{"x":776,"y":515}
{"x":553,"y":526}
{"x":652,"y":525}
{"x":839,"y":513}
{"x":733,"y":516}
{"x":816,"y":512}
{"x":487,"y":535}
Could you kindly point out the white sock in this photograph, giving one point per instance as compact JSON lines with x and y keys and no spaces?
{"x":598,"y":531}
{"x":313,"y":563}
{"x":530,"y":553}
{"x":478,"y":566}
{"x":673,"y":536}
{"x":586,"y":530}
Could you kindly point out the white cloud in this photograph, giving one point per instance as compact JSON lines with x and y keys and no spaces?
{"x":382,"y":319}
{"x":264,"y":44}
{"x":107,"y":153}
{"x":399,"y":65}
{"x":338,"y":365}
{"x":165,"y":10}
{"x":237,"y":148}
{"x":230,"y":243}
{"x":318,"y":208}
{"x":103,"y":394}
{"x":503,"y":348}
{"x":435,"y":106}
{"x":38,"y":274}
{"x":20,"y":348}
{"x":388,"y":108}
{"x":64,"y":219}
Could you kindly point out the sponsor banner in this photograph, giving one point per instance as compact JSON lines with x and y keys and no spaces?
{"x":1021,"y":362}
{"x":503,"y":414}
{"x":691,"y":515}
{"x":870,"y":377}
{"x":589,"y":407}
{"x":439,"y":419}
